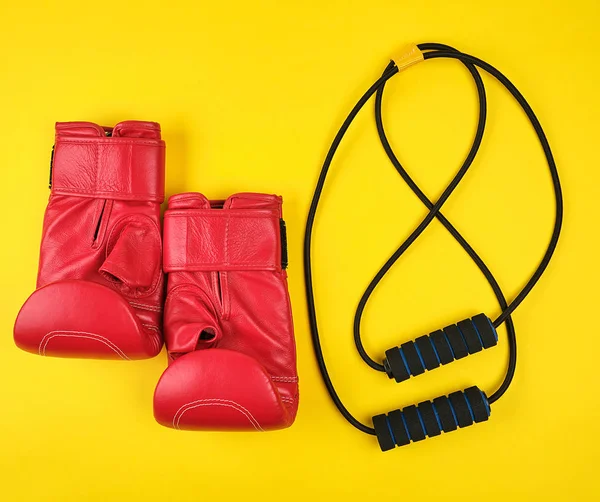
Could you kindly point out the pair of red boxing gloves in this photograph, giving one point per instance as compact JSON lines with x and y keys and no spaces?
{"x":101,"y":287}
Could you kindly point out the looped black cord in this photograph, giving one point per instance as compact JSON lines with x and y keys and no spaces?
{"x":310,"y":298}
{"x":437,"y":50}
{"x":465,"y":58}
{"x":426,"y":221}
{"x":511,"y":335}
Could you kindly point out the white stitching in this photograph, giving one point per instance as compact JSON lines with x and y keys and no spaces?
{"x":80,"y":334}
{"x":284,"y":379}
{"x":215,"y":402}
{"x":256,"y":427}
{"x":143,"y":306}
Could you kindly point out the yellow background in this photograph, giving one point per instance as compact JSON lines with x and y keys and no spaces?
{"x":249,"y":96}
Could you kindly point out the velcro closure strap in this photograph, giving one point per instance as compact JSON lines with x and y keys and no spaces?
{"x":221,"y":239}
{"x":109,"y":168}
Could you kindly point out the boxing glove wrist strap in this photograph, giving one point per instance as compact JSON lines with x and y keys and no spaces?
{"x":109,"y":168}
{"x":232,"y":239}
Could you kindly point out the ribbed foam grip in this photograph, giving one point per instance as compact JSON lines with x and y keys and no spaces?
{"x":440,"y":347}
{"x":429,"y":418}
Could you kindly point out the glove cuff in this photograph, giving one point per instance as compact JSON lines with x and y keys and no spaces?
{"x":231,"y":239}
{"x":130,"y":165}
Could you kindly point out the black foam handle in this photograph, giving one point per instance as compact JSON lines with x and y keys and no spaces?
{"x":431,"y":418}
{"x":440,"y":347}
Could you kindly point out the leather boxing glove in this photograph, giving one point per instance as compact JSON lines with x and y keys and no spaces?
{"x":100,"y":282}
{"x":228,"y":321}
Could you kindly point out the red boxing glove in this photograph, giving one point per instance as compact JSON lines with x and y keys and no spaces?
{"x":228,"y":321}
{"x":100,"y":283}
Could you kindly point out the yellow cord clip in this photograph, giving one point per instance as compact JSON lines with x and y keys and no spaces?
{"x":409,"y":56}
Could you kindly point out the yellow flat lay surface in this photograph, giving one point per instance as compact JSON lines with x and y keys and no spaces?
{"x":249,"y":96}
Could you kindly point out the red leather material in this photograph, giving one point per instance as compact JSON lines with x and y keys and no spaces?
{"x":127,"y":166}
{"x":222,"y":240}
{"x":107,"y":333}
{"x":228,"y":322}
{"x":219,"y":390}
{"x":100,"y":282}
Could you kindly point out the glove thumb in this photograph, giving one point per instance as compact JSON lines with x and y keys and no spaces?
{"x":133,"y":257}
{"x":191,"y":321}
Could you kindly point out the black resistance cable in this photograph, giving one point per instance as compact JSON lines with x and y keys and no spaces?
{"x":433,"y":211}
{"x":462,"y":408}
{"x":512,"y":359}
